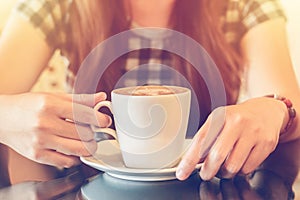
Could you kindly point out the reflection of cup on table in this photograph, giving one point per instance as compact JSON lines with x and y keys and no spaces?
{"x":151,"y":124}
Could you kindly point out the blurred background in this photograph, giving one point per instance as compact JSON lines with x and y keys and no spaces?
{"x":53,"y":77}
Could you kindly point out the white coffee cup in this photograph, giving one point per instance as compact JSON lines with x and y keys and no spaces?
{"x":151,"y":124}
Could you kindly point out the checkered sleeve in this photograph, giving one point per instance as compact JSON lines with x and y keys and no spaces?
{"x":255,"y":12}
{"x":47,"y":16}
{"x":242,"y":15}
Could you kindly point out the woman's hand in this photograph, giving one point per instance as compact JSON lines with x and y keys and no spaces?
{"x":235,"y":139}
{"x":49,"y":128}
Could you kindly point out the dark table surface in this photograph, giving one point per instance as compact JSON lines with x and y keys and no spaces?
{"x":273,"y":180}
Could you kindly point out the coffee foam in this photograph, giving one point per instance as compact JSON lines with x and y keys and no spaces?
{"x":150,"y":90}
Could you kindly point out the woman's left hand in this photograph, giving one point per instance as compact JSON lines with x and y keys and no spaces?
{"x":235,"y":139}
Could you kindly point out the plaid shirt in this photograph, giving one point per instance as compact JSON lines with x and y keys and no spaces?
{"x":48,"y":16}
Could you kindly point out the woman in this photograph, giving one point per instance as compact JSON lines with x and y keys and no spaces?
{"x":242,"y":37}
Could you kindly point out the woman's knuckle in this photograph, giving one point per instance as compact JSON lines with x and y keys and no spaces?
{"x":246,"y":170}
{"x":67,"y":163}
{"x":217,"y":156}
{"x":271,"y":144}
{"x":84,"y":114}
{"x":42,"y":126}
{"x":237,"y":118}
{"x":256,"y":128}
{"x":231,"y":168}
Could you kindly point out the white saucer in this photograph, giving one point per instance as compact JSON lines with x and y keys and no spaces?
{"x":108,"y":159}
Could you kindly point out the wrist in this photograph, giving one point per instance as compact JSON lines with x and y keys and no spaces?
{"x":290,"y":112}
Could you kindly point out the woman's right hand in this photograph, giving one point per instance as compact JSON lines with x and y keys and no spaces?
{"x":42,"y":126}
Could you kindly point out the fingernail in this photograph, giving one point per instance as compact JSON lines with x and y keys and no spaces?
{"x":109,"y":121}
{"x":180,"y":172}
{"x":101,"y":95}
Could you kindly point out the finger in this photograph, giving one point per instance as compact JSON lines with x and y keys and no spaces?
{"x":201,"y":144}
{"x":53,"y":158}
{"x":70,"y":130}
{"x":81,"y":114}
{"x":86,"y":115}
{"x":192,"y":155}
{"x":89,"y":99}
{"x":219,"y":151}
{"x":215,"y":125}
{"x":236,"y":159}
{"x":84,"y":99}
{"x":258,"y":154}
{"x":71,"y":147}
{"x":80,"y":101}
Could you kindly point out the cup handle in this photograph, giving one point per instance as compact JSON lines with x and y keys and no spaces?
{"x":103,"y":133}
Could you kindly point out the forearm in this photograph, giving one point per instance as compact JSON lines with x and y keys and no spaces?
{"x":270,"y":70}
